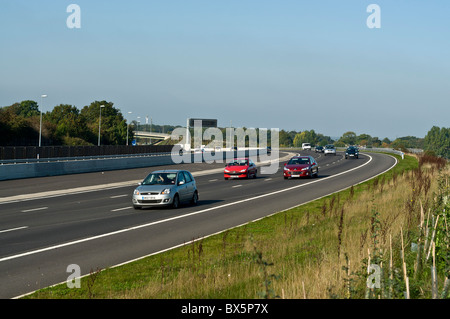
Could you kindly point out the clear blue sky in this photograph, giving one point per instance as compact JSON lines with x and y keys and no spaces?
{"x":287,"y":64}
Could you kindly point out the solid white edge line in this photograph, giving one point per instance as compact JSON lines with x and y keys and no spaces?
{"x":224,"y":230}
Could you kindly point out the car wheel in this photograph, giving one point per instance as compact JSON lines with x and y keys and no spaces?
{"x":254,"y":175}
{"x":176,"y":201}
{"x":194,"y":200}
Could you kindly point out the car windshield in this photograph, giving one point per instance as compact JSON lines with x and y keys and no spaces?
{"x":242,"y":162}
{"x":298,"y":161}
{"x":329,"y":146}
{"x":160,"y":179}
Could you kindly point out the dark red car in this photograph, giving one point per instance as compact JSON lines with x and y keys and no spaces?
{"x":240,"y":168}
{"x":301,"y":166}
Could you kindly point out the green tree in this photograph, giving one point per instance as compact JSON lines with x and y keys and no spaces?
{"x":70,"y":125}
{"x":285,"y":139}
{"x":348,"y":138}
{"x":28,"y":108}
{"x":438,"y":141}
{"x":15,"y":129}
{"x":113,"y":125}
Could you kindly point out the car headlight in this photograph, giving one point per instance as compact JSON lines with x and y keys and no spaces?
{"x":136,"y":192}
{"x":305,"y":169}
{"x":165,"y":191}
{"x":227,"y":171}
{"x":286,"y":169}
{"x":242,"y":170}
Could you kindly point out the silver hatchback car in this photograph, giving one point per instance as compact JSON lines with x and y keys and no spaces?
{"x":166,"y":188}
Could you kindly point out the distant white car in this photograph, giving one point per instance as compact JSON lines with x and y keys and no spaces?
{"x":329,"y":149}
{"x":306,"y":146}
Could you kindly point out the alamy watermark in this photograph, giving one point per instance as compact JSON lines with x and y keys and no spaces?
{"x":250,"y":143}
{"x":374,"y":278}
{"x":374,"y":19}
{"x":73,"y":281}
{"x":74,"y":19}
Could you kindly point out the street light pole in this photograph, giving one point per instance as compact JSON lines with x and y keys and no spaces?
{"x":100,"y":123}
{"x":40,"y":121}
{"x":128,"y":125}
{"x":40,"y":125}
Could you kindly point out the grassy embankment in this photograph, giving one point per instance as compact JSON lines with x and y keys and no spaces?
{"x":318,"y":250}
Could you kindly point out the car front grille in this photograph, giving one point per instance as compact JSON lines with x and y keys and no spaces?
{"x":151,"y":201}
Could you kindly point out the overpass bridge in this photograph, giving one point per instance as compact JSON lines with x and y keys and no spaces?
{"x":152,"y":135}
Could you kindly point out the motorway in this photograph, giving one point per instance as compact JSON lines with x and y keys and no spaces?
{"x":47,"y":224}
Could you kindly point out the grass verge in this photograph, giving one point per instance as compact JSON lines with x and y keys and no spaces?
{"x":373,"y":240}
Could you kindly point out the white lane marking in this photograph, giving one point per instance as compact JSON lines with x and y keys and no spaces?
{"x":236,"y":186}
{"x":119,"y":209}
{"x":71,"y":243}
{"x":213,"y":180}
{"x":268,"y":179}
{"x":13,"y":229}
{"x":33,"y":209}
{"x":118,"y":196}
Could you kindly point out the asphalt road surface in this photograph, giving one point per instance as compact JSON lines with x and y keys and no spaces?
{"x":47,"y":224}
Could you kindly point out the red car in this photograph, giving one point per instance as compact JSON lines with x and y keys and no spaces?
{"x":301,"y":166}
{"x":240,"y":168}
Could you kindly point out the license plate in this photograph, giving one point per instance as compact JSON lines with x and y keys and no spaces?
{"x":234,"y":176}
{"x":148,"y":197}
{"x":295,"y":175}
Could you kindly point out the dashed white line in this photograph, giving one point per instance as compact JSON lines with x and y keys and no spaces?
{"x":117,"y":196}
{"x":213,"y":180}
{"x":33,"y":209}
{"x":119,"y":209}
{"x":236,"y":186}
{"x":13,"y":229}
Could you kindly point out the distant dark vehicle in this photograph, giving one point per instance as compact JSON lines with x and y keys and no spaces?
{"x":269,"y":150}
{"x":352,"y":151}
{"x":319,"y":149}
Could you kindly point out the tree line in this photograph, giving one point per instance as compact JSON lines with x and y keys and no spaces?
{"x":436,"y":142}
{"x":63,"y":125}
{"x":67,"y":125}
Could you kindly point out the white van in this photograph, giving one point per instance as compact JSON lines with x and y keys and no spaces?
{"x":306,"y":146}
